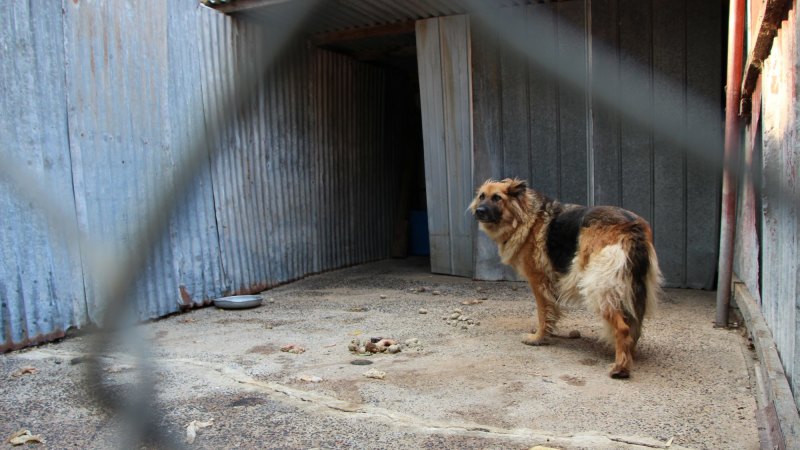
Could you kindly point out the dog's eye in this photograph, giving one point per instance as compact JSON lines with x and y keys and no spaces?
{"x":482,"y":196}
{"x":495,"y":198}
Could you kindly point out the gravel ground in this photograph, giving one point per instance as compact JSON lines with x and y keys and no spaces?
{"x":460,"y":386}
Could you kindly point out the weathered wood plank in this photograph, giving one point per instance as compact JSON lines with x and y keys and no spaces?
{"x":456,"y":84}
{"x":433,"y":135}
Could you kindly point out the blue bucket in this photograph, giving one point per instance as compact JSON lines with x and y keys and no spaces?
{"x":418,"y":239}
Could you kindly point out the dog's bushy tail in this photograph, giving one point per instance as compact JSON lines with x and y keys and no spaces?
{"x":645,"y":284}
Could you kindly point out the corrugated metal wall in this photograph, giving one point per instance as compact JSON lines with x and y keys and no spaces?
{"x":41,"y":290}
{"x":531,"y":126}
{"x":443,"y":55}
{"x":780,"y":278}
{"x":103,"y":99}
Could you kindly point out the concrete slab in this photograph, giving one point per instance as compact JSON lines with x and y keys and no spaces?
{"x":477,"y":387}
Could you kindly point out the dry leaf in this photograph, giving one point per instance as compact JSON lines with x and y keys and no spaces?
{"x":191,"y":429}
{"x":25,"y":371}
{"x":25,"y":436}
{"x":377,"y":374}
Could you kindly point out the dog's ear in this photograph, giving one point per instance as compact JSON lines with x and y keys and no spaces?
{"x":516,"y":187}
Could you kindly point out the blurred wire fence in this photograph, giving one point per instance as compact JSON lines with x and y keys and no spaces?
{"x":114,"y":274}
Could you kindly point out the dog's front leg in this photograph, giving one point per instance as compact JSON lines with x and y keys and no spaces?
{"x":545,"y":313}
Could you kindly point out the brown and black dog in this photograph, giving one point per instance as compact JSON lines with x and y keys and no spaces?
{"x":602,"y":256}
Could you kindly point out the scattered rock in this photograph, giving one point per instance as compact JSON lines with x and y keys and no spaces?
{"x":574,"y":334}
{"x":292,"y":348}
{"x":383,"y":297}
{"x":436,"y":293}
{"x":464,"y":327}
{"x":394,"y":348}
{"x":479,"y":289}
{"x":471,"y":302}
{"x":360,"y":362}
{"x":376,"y":374}
{"x":455,"y":316}
{"x":422,"y":289}
{"x":411,"y":342}
{"x":458,"y":310}
{"x":371,"y":347}
{"x":309,"y":378}
{"x":423,"y":311}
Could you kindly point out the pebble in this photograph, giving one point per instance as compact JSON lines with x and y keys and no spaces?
{"x":464,"y":327}
{"x":360,"y":362}
{"x":423,"y":289}
{"x":412,"y":341}
{"x":377,"y":374}
{"x":574,"y":334}
{"x":436,"y":293}
{"x":458,"y":310}
{"x":423,"y":311}
{"x":394,"y":348}
{"x":383,"y":296}
{"x":455,"y":316}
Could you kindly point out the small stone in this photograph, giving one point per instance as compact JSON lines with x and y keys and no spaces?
{"x":436,"y":293}
{"x":477,"y":322}
{"x":463,"y":319}
{"x":373,"y":348}
{"x":464,"y":327}
{"x":393,"y":348}
{"x":360,"y":362}
{"x":455,"y":316}
{"x":422,"y":289}
{"x":479,"y":289}
{"x":423,"y":311}
{"x":445,"y":318}
{"x":411,"y":341}
{"x":574,"y":334}
{"x":458,"y":310}
{"x":470,"y":322}
{"x":383,"y":296}
{"x":354,"y":345}
{"x":377,"y":374}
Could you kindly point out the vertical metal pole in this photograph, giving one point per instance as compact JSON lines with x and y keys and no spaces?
{"x":733,"y":87}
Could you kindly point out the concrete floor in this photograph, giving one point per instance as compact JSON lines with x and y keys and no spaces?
{"x":478,"y":387}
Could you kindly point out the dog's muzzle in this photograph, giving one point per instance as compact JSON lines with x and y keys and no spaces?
{"x":485,"y":214}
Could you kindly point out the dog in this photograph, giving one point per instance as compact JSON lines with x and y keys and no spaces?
{"x":602,"y":256}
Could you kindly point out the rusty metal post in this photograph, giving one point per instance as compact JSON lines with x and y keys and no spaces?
{"x":733,"y":88}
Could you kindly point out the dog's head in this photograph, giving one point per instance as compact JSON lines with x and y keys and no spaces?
{"x":500,"y":201}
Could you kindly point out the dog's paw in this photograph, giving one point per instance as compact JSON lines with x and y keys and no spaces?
{"x":534,"y":339}
{"x":620,"y":373}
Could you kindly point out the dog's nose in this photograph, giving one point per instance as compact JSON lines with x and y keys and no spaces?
{"x":480,"y":212}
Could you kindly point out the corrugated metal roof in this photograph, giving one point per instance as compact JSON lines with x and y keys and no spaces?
{"x":336,"y":15}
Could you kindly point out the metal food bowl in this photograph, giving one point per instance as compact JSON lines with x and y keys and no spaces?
{"x":238,"y":301}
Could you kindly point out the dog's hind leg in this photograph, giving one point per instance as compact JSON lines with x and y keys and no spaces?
{"x":546,"y":314}
{"x":623,"y":343}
